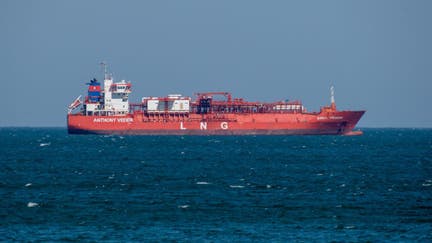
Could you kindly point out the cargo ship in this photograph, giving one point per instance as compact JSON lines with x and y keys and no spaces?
{"x":106,"y":110}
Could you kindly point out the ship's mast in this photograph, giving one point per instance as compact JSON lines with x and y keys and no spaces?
{"x":332,"y":99}
{"x":107,"y":87}
{"x":105,"y":68}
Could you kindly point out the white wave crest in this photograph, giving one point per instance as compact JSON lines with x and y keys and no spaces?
{"x":32,"y":204}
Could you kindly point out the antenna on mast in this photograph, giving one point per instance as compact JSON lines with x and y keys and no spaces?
{"x":332,"y":99}
{"x":104,"y":65}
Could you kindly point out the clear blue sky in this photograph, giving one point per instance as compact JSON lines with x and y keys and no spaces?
{"x":378,"y":54}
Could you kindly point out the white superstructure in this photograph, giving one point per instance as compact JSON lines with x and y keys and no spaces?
{"x":116,"y":96}
{"x":112,"y":100}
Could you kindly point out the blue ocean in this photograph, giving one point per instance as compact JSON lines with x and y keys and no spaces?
{"x":60,"y":187}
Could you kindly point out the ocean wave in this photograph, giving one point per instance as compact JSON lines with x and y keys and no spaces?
{"x":32,"y":204}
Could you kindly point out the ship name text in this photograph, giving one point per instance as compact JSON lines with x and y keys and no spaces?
{"x":331,"y":118}
{"x":112,"y":120}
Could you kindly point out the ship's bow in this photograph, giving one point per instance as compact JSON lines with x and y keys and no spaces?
{"x":352,"y":118}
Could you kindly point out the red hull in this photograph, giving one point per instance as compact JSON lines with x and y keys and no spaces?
{"x":330,"y":123}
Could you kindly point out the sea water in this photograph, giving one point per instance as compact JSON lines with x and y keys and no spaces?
{"x":60,"y":187}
